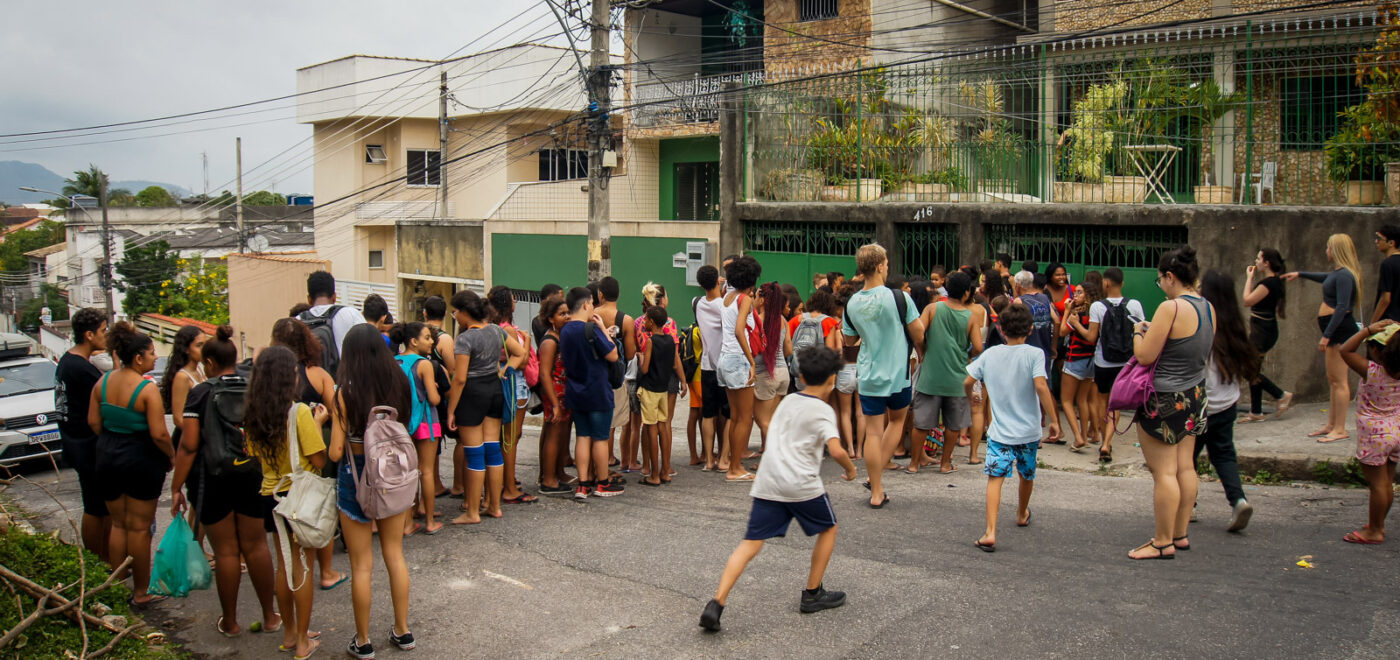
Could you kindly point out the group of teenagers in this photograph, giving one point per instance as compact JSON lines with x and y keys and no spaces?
{"x":980,"y":353}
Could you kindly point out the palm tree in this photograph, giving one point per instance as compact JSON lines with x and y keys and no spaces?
{"x":90,"y":183}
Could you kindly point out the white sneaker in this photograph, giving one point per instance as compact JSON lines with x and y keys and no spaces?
{"x":1240,"y":519}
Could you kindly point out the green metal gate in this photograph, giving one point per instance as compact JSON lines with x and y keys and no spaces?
{"x":1081,"y":248}
{"x":924,"y":246}
{"x":790,"y":252}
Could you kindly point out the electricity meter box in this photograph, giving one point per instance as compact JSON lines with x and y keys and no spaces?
{"x":697,"y":254}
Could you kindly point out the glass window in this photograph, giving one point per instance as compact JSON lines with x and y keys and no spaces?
{"x":1309,"y":107}
{"x":424,"y":167}
{"x":376,"y":258}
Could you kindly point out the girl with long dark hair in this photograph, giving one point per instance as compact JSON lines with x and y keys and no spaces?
{"x":1233,"y":360}
{"x":554,"y":446}
{"x":1266,"y":302}
{"x":1075,"y":386}
{"x":477,"y":403}
{"x":315,"y":386}
{"x":416,"y":341}
{"x":228,"y":507}
{"x":772,"y":378}
{"x":368,"y":377}
{"x":133,"y":452}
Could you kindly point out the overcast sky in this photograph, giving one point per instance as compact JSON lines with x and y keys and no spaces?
{"x":83,"y":63}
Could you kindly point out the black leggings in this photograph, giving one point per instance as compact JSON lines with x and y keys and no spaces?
{"x":1264,"y":335}
{"x":1219,"y":443}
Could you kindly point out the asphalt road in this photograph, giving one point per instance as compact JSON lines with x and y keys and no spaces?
{"x":627,"y":577}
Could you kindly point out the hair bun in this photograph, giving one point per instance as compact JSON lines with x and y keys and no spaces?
{"x":224,"y":333}
{"x":1186,"y":254}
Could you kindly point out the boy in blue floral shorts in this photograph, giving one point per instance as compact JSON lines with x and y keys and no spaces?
{"x":1014,"y":376}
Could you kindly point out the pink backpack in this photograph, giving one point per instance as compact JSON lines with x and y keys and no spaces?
{"x":390,"y":480}
{"x":1133,"y":387}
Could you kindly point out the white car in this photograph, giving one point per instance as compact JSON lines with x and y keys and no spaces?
{"x":27,"y":416}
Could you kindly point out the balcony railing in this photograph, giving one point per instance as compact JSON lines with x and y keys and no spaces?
{"x":693,"y":100}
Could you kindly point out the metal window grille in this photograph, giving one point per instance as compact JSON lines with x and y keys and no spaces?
{"x":808,"y":237}
{"x":924,"y":246}
{"x":1090,"y":245}
{"x":817,"y":10}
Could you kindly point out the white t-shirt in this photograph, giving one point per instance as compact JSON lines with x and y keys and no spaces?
{"x":792,"y":464}
{"x":348,"y":317}
{"x":1096,"y":313}
{"x":707,"y":316}
{"x":1220,"y":395}
{"x":1009,"y":373}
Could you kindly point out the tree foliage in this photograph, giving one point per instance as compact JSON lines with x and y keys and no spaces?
{"x":200,"y":292}
{"x":49,"y":296}
{"x":143,"y":269}
{"x":155,"y":196}
{"x":12,"y":251}
{"x":265,"y":198}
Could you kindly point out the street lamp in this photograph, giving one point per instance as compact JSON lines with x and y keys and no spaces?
{"x":105,"y":276}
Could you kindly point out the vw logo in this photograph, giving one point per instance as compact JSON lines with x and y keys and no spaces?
{"x":41,"y":418}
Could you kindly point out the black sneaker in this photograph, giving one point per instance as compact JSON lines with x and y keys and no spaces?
{"x":555,"y":491}
{"x":404,"y":641}
{"x":709,"y":619}
{"x":362,"y":651}
{"x":821,"y":600}
{"x":608,"y":490}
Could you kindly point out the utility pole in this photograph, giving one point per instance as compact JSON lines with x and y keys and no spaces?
{"x":599,"y":80}
{"x":238,"y":203}
{"x":104,"y":278}
{"x":204,"y":158}
{"x":442,"y":143}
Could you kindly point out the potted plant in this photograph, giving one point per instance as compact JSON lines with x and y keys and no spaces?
{"x":1356,"y":155}
{"x":792,"y":185}
{"x":1085,"y":146}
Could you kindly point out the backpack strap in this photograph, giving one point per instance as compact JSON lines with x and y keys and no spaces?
{"x":293,"y":449}
{"x":131,"y":405}
{"x":104,"y":386}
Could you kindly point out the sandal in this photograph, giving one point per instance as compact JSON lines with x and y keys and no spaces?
{"x":882,"y":503}
{"x":1177,"y":542}
{"x":219,"y":626}
{"x":1353,"y":537}
{"x":1161,"y":551}
{"x":1105,"y":455}
{"x":343,"y":578}
{"x":524,"y":498}
{"x":985,"y":547}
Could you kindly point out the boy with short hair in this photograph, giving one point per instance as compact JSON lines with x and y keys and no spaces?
{"x":74,"y":378}
{"x":938,"y":276}
{"x":659,"y":361}
{"x":790,"y":484}
{"x":1014,"y":373}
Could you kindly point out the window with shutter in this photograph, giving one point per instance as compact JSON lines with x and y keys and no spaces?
{"x":697,"y":191}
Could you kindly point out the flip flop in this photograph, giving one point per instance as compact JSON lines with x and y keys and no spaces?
{"x":948,"y":471}
{"x":315,"y":646}
{"x":433,"y":530}
{"x":985,"y":547}
{"x":343,"y":578}
{"x":747,"y":477}
{"x":524,"y":498}
{"x":644,"y":482}
{"x":1327,"y":439}
{"x":1318,"y":433}
{"x":1078,"y":448}
{"x":140,"y":605}
{"x":417,"y":527}
{"x":1028,"y":520}
{"x":882,"y":503}
{"x":456,"y":496}
{"x":219,"y":626}
{"x":1353,"y":537}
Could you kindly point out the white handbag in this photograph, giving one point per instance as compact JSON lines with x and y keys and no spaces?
{"x":309,"y":506}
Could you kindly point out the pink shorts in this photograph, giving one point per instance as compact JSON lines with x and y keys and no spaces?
{"x":428,"y":431}
{"x":1374,"y":447}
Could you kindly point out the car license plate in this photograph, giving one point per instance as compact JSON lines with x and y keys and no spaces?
{"x":46,"y":436}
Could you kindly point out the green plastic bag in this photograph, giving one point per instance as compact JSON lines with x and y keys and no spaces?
{"x":179,"y":565}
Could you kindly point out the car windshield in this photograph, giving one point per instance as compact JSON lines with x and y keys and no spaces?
{"x":26,"y":378}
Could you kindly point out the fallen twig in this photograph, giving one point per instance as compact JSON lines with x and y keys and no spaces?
{"x":65,"y":606}
{"x":39,"y":611}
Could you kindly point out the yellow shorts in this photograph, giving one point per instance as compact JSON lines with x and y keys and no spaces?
{"x":653,"y":406}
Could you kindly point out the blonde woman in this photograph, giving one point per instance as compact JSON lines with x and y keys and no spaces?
{"x":1341,"y":289}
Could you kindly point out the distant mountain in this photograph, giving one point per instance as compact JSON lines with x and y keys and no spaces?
{"x":14,"y":173}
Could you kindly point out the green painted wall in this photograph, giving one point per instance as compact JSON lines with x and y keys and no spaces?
{"x":797,"y":268}
{"x":682,"y":150}
{"x":529,"y":261}
{"x":1139,"y":284}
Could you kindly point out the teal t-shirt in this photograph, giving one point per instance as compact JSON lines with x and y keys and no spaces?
{"x":883,"y":363}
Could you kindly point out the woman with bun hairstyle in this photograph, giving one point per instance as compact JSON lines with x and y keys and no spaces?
{"x":1341,"y":288}
{"x":368,"y":377}
{"x":133,"y":452}
{"x":229,"y":506}
{"x":1265,"y":300}
{"x":416,"y":341}
{"x":315,"y":386}
{"x":477,"y":402}
{"x":1178,"y":343}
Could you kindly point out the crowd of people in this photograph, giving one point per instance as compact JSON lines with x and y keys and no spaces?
{"x":980,"y":354}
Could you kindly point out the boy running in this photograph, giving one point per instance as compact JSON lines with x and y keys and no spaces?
{"x":1015,"y":373}
{"x":790,"y":485}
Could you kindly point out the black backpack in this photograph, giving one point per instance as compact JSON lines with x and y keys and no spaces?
{"x":616,"y":370}
{"x":222,"y":446}
{"x":1116,"y":332}
{"x":321,"y":328}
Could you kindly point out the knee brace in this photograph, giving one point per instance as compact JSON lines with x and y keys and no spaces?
{"x":494,"y":458}
{"x":476,"y":458}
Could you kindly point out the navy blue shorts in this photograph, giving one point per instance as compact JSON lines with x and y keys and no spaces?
{"x":879,"y":405}
{"x":347,"y":499}
{"x":768,"y":518}
{"x":593,"y":424}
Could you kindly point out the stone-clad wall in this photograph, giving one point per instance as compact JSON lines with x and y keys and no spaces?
{"x":1302,"y":175}
{"x":1079,"y":15}
{"x":788,"y":55}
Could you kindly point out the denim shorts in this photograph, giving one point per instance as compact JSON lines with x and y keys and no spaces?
{"x":733,"y":372}
{"x":1082,"y":369}
{"x":879,"y":405}
{"x":846,"y":379}
{"x":595,"y":424}
{"x":345,"y":489}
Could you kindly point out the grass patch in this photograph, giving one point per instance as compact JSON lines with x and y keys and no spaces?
{"x":1203,"y":466}
{"x":49,"y":561}
{"x":1266,"y":478}
{"x":1346,"y":474}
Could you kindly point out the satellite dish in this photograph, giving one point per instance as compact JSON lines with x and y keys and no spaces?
{"x":258,"y":243}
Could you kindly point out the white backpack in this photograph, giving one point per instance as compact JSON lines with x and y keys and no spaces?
{"x":309,"y":506}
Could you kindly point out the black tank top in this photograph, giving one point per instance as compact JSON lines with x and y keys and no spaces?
{"x":309,"y":395}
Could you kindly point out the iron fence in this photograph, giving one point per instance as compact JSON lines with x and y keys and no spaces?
{"x":1301,"y":112}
